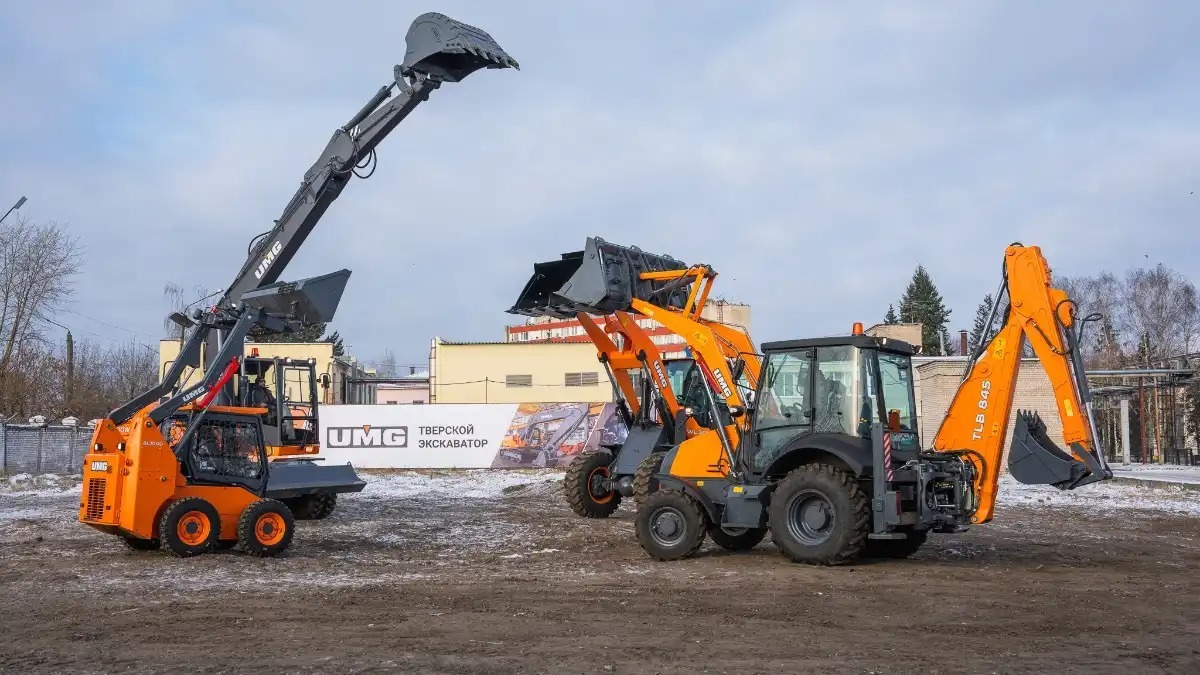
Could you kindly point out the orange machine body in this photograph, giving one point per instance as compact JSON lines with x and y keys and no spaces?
{"x":129,"y":478}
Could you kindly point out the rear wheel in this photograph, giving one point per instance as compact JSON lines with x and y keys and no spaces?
{"x":189,"y":527}
{"x":736,"y":538}
{"x":585,"y":485}
{"x":312,"y":507}
{"x":265,"y":528}
{"x":670,"y":525}
{"x":644,"y":481}
{"x":896,"y":548}
{"x":819,"y":516}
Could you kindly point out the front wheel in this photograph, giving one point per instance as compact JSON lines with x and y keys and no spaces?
{"x":265,"y":528}
{"x":819,"y":516}
{"x":670,"y":525}
{"x":587,"y":485}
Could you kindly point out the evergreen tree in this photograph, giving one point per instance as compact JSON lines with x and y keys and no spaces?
{"x":338,"y":348}
{"x":313,"y":332}
{"x":923,"y":304}
{"x":890,"y":317}
{"x":981,"y":327}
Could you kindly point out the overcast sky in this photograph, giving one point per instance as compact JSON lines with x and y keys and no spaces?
{"x":813,"y":155}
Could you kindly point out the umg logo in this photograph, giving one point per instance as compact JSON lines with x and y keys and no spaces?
{"x":368,"y":436}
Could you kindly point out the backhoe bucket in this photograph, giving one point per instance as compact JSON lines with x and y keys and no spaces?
{"x":447,"y":50}
{"x":1034,"y":459}
{"x":600,"y":279}
{"x":312,"y":300}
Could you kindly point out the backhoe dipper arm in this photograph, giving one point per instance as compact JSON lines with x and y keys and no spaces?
{"x":976,"y":424}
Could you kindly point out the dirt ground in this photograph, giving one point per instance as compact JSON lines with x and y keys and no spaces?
{"x":490,"y":572}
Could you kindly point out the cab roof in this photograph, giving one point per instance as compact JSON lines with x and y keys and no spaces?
{"x":859,"y":341}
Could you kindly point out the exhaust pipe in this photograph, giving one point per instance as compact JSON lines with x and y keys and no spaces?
{"x":601,"y":279}
{"x":1034,"y":459}
{"x":446,"y":50}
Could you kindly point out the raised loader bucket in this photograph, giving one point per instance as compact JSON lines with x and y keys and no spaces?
{"x":312,"y":300}
{"x":600,"y":279}
{"x":447,"y":50}
{"x":1034,"y":459}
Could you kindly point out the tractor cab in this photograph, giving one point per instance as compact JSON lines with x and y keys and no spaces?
{"x":287,"y":389}
{"x":828,"y":393}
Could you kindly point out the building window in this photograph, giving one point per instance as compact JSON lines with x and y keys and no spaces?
{"x":418,"y":402}
{"x":582,"y":379}
{"x":518,"y":380}
{"x":393,"y":402}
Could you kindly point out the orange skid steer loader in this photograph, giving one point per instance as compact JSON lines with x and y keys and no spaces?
{"x":187,"y":467}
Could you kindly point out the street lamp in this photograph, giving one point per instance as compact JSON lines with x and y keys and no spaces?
{"x":14,"y":208}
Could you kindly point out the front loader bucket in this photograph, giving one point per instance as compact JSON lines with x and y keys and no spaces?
{"x":294,"y":478}
{"x":312,"y":300}
{"x":447,"y":50}
{"x":1034,"y":459}
{"x":600,"y":279}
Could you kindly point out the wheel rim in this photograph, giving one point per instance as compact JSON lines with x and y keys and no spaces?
{"x":269,"y":529}
{"x":810,"y":517}
{"x":595,"y":485}
{"x":668,"y":526}
{"x":193,"y":528}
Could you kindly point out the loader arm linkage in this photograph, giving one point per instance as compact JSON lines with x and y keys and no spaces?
{"x":606,"y":278}
{"x":976,"y":424}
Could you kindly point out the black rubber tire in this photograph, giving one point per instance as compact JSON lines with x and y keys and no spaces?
{"x":141,"y":544}
{"x":847,"y":528}
{"x":246,"y":529}
{"x":682,"y":512}
{"x":743,"y":539}
{"x":644,"y":482}
{"x":896,"y":548}
{"x":312,"y":507}
{"x":576,"y":485}
{"x":168,"y":523}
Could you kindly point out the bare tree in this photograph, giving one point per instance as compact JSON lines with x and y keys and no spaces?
{"x":1162,"y":311}
{"x":178,"y":300}
{"x":38,"y":264}
{"x":133,"y":367}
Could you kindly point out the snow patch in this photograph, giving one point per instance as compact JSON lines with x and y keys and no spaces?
{"x":1102,"y":497}
{"x":461,"y":484}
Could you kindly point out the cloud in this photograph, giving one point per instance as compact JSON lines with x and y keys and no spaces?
{"x":812,"y":154}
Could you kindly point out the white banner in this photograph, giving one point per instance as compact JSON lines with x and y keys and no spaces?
{"x":414,"y":436}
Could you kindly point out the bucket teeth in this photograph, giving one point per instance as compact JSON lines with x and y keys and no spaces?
{"x":447,"y":50}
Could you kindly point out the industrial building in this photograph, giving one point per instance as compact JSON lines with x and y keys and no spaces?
{"x":516,"y":372}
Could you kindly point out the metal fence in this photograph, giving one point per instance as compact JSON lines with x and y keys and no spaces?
{"x":38,"y":449}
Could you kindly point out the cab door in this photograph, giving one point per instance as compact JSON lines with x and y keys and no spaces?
{"x":783,"y":406}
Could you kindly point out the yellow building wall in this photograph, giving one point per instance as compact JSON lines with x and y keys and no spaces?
{"x":476,"y":373}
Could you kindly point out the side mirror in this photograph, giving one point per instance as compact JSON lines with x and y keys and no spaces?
{"x":325,"y":380}
{"x":739,"y":367}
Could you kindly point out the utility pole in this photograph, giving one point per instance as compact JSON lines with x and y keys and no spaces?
{"x":14,"y":208}
{"x":70,"y":371}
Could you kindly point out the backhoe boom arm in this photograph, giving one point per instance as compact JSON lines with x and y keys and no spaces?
{"x":976,"y":424}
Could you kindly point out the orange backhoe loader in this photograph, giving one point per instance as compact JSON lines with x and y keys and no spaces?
{"x":186,"y":467}
{"x":828,"y":458}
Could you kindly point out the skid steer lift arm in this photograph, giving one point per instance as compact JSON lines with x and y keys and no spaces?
{"x":439,"y":49}
{"x":976,"y":424}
